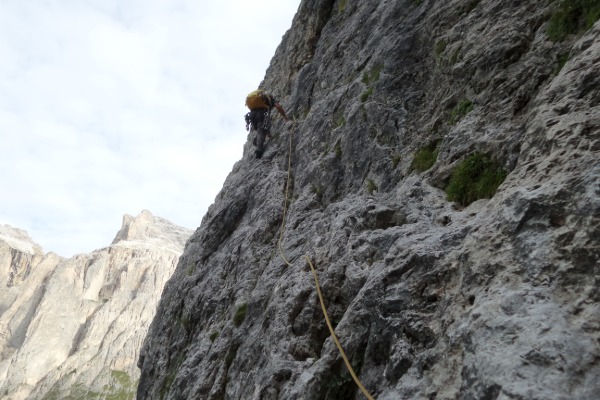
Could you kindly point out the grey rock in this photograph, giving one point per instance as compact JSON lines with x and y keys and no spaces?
{"x":430,"y":299}
{"x":73,"y":328}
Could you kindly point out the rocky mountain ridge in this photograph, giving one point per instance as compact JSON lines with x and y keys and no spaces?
{"x":404,"y":111}
{"x":18,"y":239}
{"x":73,"y":328}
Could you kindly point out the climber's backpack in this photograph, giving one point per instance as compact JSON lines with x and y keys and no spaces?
{"x":257,"y":99}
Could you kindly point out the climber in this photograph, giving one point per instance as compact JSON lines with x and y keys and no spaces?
{"x":258,"y":119}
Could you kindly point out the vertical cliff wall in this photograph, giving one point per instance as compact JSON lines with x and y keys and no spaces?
{"x":73,"y":328}
{"x":407,"y":115}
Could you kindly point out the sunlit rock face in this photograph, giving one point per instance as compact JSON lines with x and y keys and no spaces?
{"x":74,"y":327}
{"x":432,"y":298}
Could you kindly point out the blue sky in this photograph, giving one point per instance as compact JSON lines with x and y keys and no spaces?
{"x":111,"y":107}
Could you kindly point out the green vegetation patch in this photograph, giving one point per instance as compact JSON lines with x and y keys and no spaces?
{"x":440,"y":46}
{"x":340,"y":121}
{"x":231,"y":354}
{"x":365,"y":78}
{"x":476,"y":177}
{"x":462,"y":108}
{"x":425,"y":157}
{"x":121,"y":387}
{"x":342,"y":5}
{"x":373,"y":75}
{"x":366,"y":94}
{"x":185,"y":322}
{"x":572,"y":17}
{"x":369,"y":78}
{"x":77,"y":391}
{"x":170,"y":378}
{"x":562,"y":60}
{"x":240,"y":314}
{"x":338,"y":150}
{"x":396,"y":158}
{"x":191,"y":267}
{"x":455,"y":55}
{"x":164,"y":389}
{"x":318,"y":191}
{"x":371,"y":186}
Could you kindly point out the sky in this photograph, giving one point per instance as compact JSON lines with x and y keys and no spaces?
{"x":111,"y":107}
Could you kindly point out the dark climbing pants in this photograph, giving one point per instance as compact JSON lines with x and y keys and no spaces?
{"x":261,"y":123}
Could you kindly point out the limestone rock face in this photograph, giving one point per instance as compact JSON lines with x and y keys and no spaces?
{"x":74,"y":327}
{"x":431,"y":299}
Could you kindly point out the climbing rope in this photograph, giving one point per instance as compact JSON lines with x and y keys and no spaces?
{"x":314,"y":272}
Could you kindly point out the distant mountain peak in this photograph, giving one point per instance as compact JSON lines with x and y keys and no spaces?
{"x":19,"y":239}
{"x":135,"y":228}
{"x":145,"y":226}
{"x":79,"y":322}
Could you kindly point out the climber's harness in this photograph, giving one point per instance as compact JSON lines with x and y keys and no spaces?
{"x":259,"y":118}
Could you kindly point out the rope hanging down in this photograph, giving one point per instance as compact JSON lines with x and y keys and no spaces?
{"x":314,"y":272}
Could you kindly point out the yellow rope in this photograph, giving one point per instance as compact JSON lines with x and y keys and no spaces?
{"x":287,"y":187}
{"x":314,"y":272}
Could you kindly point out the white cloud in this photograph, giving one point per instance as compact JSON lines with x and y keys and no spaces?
{"x":110,"y":107}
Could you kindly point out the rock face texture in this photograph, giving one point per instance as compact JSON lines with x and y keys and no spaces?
{"x":431,"y":298}
{"x":73,"y":328}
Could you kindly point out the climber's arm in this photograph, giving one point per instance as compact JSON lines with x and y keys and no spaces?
{"x":281,"y":111}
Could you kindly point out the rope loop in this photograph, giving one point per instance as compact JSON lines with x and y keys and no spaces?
{"x":314,"y":272}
